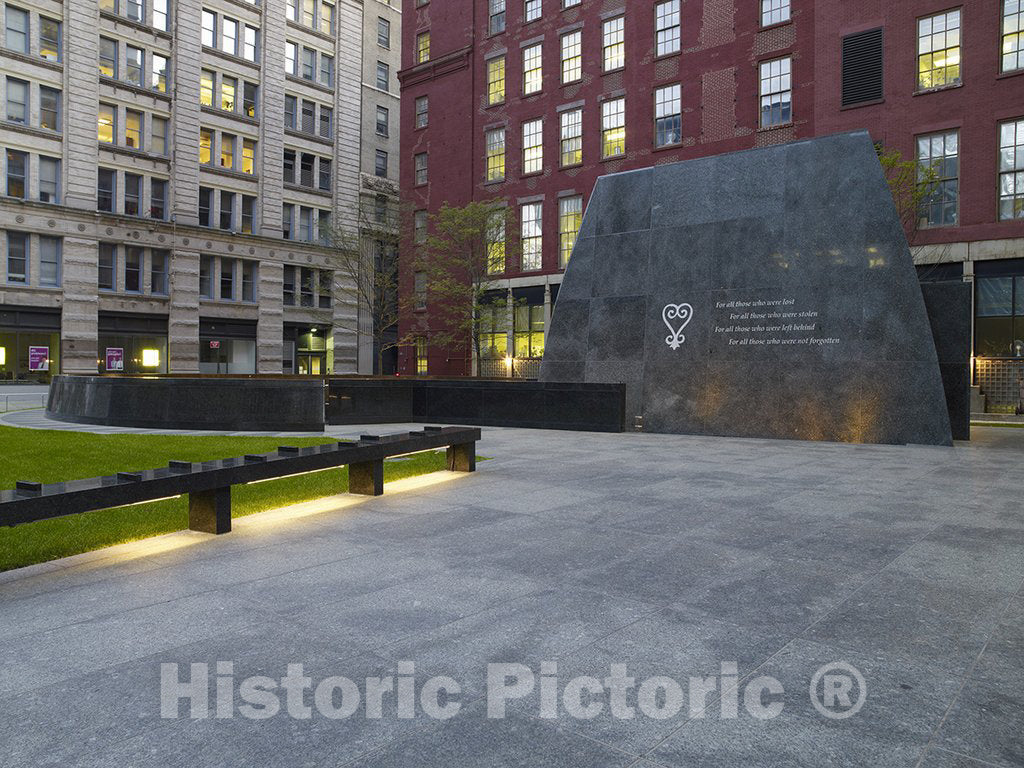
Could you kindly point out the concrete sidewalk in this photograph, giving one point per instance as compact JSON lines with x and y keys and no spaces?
{"x":667,"y":554}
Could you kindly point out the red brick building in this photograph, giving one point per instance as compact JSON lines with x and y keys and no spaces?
{"x":530,"y":101}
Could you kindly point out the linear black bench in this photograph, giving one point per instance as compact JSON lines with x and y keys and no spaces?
{"x":208,"y":484}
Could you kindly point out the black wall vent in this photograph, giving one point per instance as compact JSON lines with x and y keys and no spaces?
{"x":863,"y":65}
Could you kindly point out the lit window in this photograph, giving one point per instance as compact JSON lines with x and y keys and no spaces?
{"x":939,"y":153}
{"x":774,"y":12}
{"x":533,"y":146}
{"x":668,"y":117}
{"x":776,"y":92}
{"x":133,"y":129}
{"x":570,"y":216}
{"x":666,"y":27}
{"x":1013,"y":35}
{"x":496,"y":80}
{"x":532,"y":236}
{"x":107,"y":123}
{"x":422,"y":47}
{"x":614,"y":43}
{"x":938,"y":50}
{"x":206,"y":88}
{"x":571,"y":137}
{"x":613,"y":128}
{"x":49,"y":39}
{"x":572,"y":57}
{"x":1011,"y":170}
{"x":421,"y":356}
{"x":228,"y":91}
{"x":496,"y":242}
{"x":495,"y":161}
{"x":227,"y":151}
{"x":533,"y":73}
{"x":528,"y":331}
{"x":205,"y":146}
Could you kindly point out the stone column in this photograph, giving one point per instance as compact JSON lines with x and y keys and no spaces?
{"x":271,"y":112}
{"x":185,"y":113}
{"x":270,"y":327}
{"x":81,"y":102}
{"x":183,"y":314}
{"x":79,"y":322}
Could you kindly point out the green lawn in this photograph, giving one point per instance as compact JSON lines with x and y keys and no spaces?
{"x":50,"y":456}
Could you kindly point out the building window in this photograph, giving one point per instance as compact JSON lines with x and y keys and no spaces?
{"x":287,"y":222}
{"x":571,"y":137}
{"x":383,"y":33}
{"x":422,"y":111}
{"x":132,"y":193}
{"x":250,"y":43}
{"x":228,"y":91}
{"x":496,"y":243}
{"x":205,"y":146}
{"x":528,"y":331}
{"x":420,"y":169}
{"x":16,"y":30}
{"x":666,"y":27}
{"x":250,"y":99}
{"x":938,"y":50}
{"x":570,"y":216}
{"x":133,"y":129}
{"x":999,"y":315}
{"x":421,"y":356}
{"x":776,"y":92}
{"x":493,"y":324}
{"x":613,"y":128}
{"x":494,"y":140}
{"x":49,"y":261}
{"x":532,"y":10}
{"x":572,"y":56}
{"x":157,"y":199}
{"x":49,"y":39}
{"x":532,"y":235}
{"x":107,"y":267}
{"x":496,"y":80}
{"x":206,"y":277}
{"x":326,"y":122}
{"x":249,"y":280}
{"x":49,"y":179}
{"x":380,"y":163}
{"x":106,"y":189}
{"x":17,"y":257}
{"x":327,"y":18}
{"x":1013,"y":35}
{"x":419,"y":227}
{"x":383,"y":118}
{"x":423,"y":47}
{"x":108,"y":57}
{"x":533,"y":72}
{"x":291,"y":56}
{"x":133,"y":266}
{"x":248,"y":214}
{"x":495,"y":16}
{"x":205,"y":207}
{"x":227,"y":151}
{"x":248,"y":156}
{"x":1011,"y":170}
{"x":158,"y":272}
{"x":206,"y":88}
{"x":229,"y":36}
{"x":17,"y":101}
{"x":133,"y":64}
{"x":327,"y":70}
{"x":17,"y":167}
{"x":383,"y":76}
{"x":614,"y":43}
{"x":533,"y":146}
{"x":160,"y":14}
{"x":158,"y":73}
{"x":774,"y":12}
{"x":324,"y":173}
{"x":227,"y":279}
{"x":49,"y":108}
{"x":939,"y":154}
{"x":208,"y":35}
{"x":288,"y":286}
{"x":668,"y":115}
{"x":420,"y":289}
{"x":158,"y":131}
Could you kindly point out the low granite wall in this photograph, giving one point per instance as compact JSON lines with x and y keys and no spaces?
{"x":227,"y":404}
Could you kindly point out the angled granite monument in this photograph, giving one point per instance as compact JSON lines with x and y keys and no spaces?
{"x":767,"y":293}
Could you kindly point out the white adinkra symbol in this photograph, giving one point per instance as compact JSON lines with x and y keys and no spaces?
{"x":676,"y":317}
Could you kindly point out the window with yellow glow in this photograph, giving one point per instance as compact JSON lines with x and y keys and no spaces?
{"x":528,"y":331}
{"x":205,"y":145}
{"x":228,"y":89}
{"x":151,"y":358}
{"x":248,"y":156}
{"x":496,"y":243}
{"x":133,"y":129}
{"x":206,"y":88}
{"x":938,"y":50}
{"x":422,"y":47}
{"x":496,"y":80}
{"x":227,"y":151}
{"x":1013,"y":35}
{"x":421,"y":356}
{"x":571,"y":137}
{"x":570,"y":216}
{"x":613,"y":128}
{"x":106,"y":123}
{"x":495,"y":160}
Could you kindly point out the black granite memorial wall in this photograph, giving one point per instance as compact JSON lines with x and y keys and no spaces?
{"x":768,"y":293}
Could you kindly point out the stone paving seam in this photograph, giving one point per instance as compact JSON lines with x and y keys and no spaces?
{"x":943,"y":750}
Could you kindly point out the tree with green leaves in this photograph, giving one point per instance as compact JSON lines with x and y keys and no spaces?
{"x":461,"y":252}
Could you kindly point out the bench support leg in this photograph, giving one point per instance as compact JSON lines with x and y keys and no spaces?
{"x":210,"y":511}
{"x":366,"y":478}
{"x":462,"y":458}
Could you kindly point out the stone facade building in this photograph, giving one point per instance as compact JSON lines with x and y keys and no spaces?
{"x":169,"y":171}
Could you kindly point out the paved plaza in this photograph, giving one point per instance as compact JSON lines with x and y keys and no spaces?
{"x":567,"y":553}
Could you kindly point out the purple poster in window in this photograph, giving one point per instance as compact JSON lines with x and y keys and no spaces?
{"x":39,"y":358}
{"x":115,"y":358}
